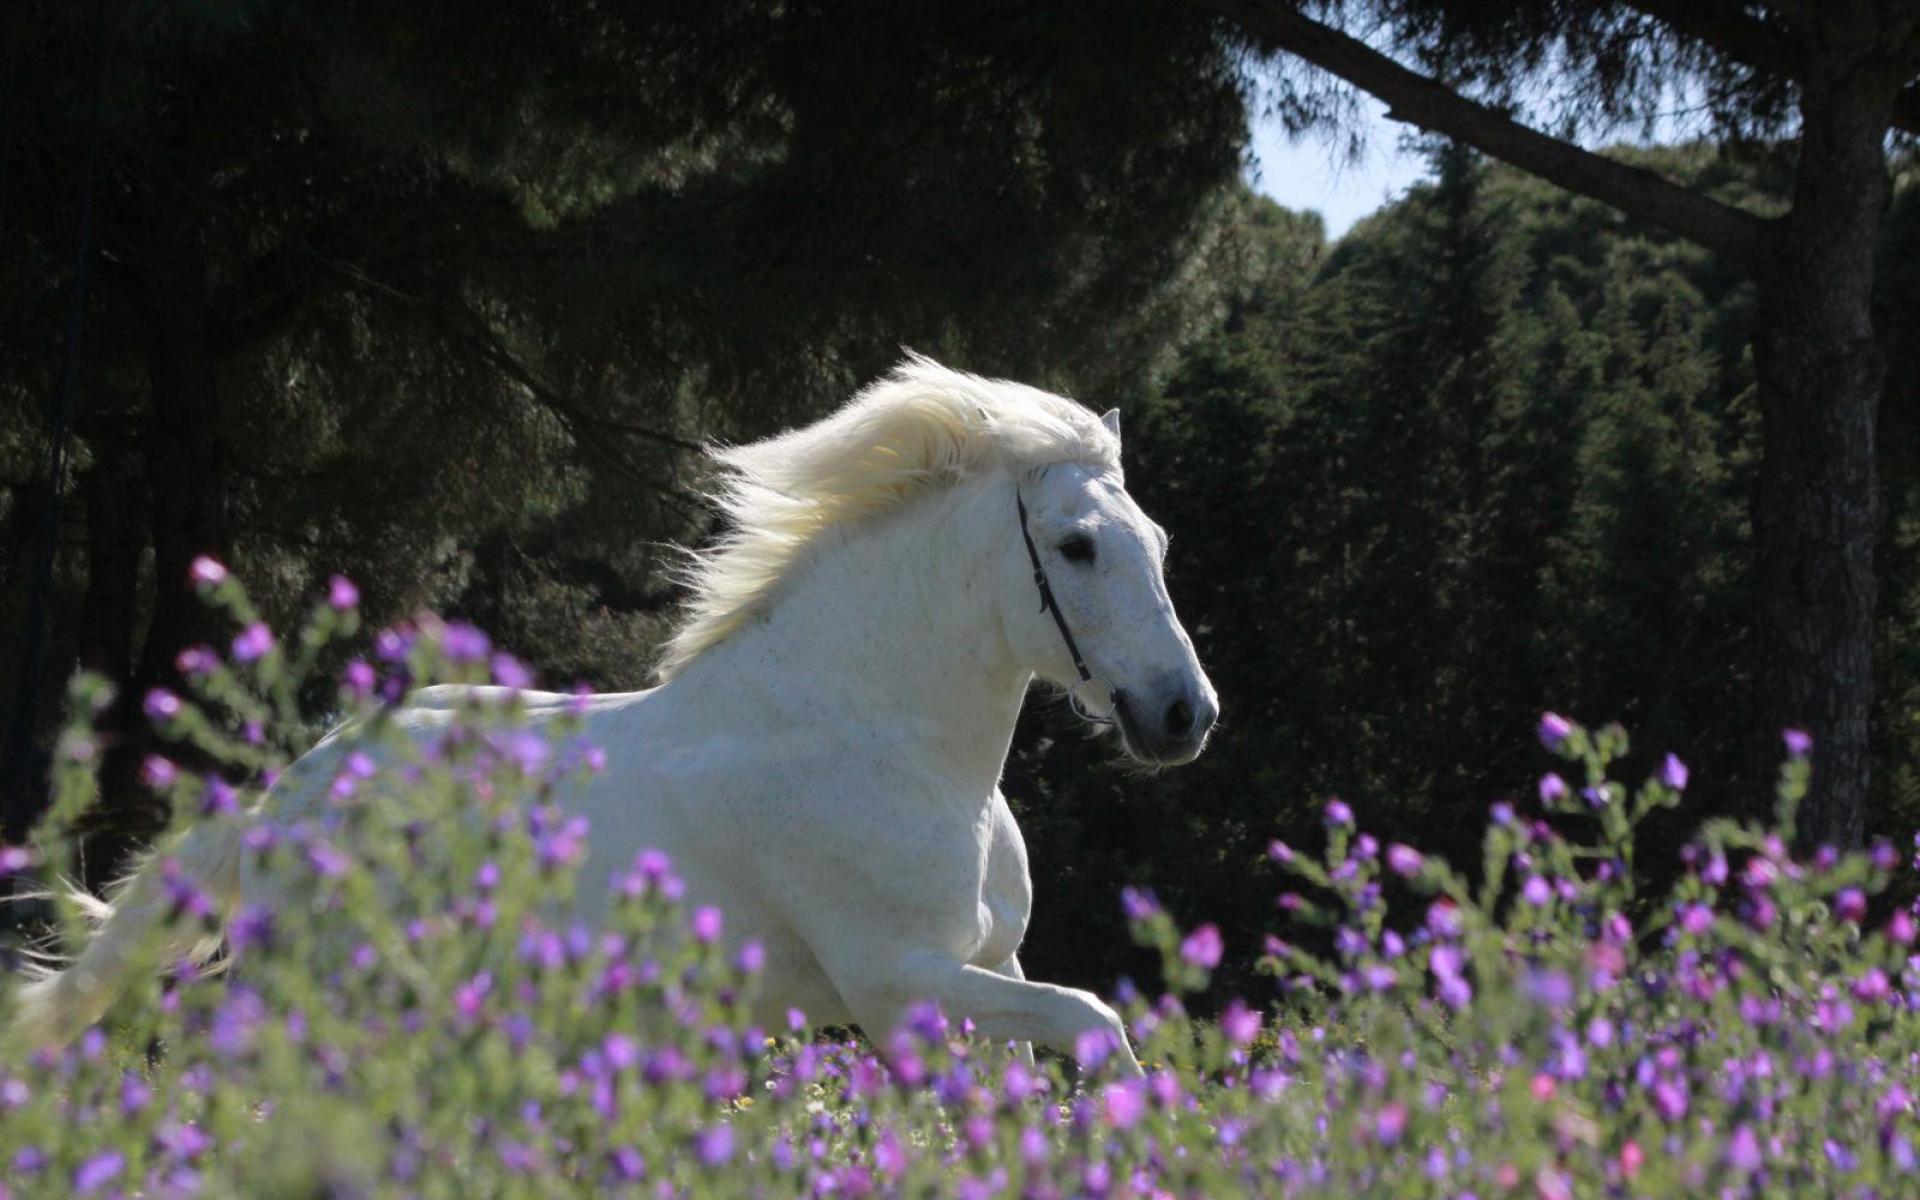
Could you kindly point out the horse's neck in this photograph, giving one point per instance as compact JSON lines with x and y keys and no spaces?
{"x":891,"y":627}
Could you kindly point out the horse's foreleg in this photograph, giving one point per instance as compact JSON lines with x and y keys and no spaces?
{"x":1022,"y":1051}
{"x":1001,"y":1008}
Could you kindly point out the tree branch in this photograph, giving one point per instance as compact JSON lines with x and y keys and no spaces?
{"x":1426,"y":102}
{"x":475,"y":333}
{"x":1729,"y":31}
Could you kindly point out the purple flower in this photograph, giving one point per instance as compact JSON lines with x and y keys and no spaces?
{"x":1899,"y":927}
{"x":1696,"y":919}
{"x":1873,"y":987}
{"x":253,"y":643}
{"x":1850,"y":905}
{"x":1240,"y":1023}
{"x":1390,"y":1122}
{"x":1743,"y":1150}
{"x":707,"y":924}
{"x":1670,"y":1099}
{"x":714,"y":1145}
{"x":1139,"y":904}
{"x":1673,"y":773}
{"x":14,"y":859}
{"x":470,"y":996}
{"x":341,"y":594}
{"x":327,"y":860}
{"x":1536,"y":891}
{"x":161,"y":705}
{"x":462,"y":642}
{"x":1799,"y":742}
{"x":359,"y":679}
{"x":1552,"y":788}
{"x":509,"y":672}
{"x":206,"y":573}
{"x":1123,"y":1103}
{"x":102,"y":1168}
{"x":393,"y":645}
{"x":218,"y":798}
{"x":158,"y":773}
{"x":1337,"y":813}
{"x":1554,"y":730}
{"x":528,"y":751}
{"x":1404,"y":860}
{"x":196,"y":661}
{"x":1549,"y":989}
{"x":1202,"y":947}
{"x":1092,"y":1047}
{"x":184,"y":1142}
{"x":134,"y":1093}
{"x":753,"y":957}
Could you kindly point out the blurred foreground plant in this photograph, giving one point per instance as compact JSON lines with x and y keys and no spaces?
{"x":408,"y":1011}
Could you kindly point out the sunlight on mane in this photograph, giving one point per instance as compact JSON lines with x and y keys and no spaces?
{"x":922,"y":427}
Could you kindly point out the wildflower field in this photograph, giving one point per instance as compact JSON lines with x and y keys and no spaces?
{"x":415,"y":1016}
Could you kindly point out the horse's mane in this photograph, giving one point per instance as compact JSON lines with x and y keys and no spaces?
{"x":922,"y":427}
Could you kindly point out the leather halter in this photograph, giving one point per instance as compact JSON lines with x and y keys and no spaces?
{"x":1117,"y":699}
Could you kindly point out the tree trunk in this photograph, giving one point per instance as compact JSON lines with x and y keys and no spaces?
{"x":1816,"y":500}
{"x":187,"y":473}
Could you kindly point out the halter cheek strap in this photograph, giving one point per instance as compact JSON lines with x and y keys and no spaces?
{"x":1049,"y":605}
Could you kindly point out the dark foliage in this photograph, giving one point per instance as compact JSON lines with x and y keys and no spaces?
{"x":1489,"y":455}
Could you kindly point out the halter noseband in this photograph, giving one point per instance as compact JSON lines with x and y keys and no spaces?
{"x":1049,"y":605}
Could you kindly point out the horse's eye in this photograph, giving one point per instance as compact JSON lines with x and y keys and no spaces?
{"x":1078,"y":548}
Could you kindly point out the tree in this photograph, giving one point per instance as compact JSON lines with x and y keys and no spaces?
{"x":446,"y":302}
{"x":1838,"y":78}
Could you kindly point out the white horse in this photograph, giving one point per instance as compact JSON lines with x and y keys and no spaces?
{"x":823,"y":757}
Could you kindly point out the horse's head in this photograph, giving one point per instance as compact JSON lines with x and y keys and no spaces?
{"x":1101,"y":559}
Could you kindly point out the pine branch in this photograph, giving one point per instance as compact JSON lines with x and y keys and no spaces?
{"x":1421,"y":100}
{"x":1726,"y":29}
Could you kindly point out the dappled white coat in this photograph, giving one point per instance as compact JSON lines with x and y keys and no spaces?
{"x":823,"y":759}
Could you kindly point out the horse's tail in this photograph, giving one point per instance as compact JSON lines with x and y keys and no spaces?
{"x":143,"y":923}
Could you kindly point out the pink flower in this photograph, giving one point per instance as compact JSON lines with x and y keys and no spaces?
{"x":1900,"y":928}
{"x":206,"y":573}
{"x":342,"y":594}
{"x":707,"y":923}
{"x":1799,"y":742}
{"x":1631,"y":1157}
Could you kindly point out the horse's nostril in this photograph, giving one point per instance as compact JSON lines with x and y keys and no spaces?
{"x":1179,"y":718}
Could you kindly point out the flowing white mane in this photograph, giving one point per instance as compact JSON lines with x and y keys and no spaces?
{"x":922,"y":427}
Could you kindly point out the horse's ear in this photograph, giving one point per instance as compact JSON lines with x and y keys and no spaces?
{"x":1111,"y":419}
